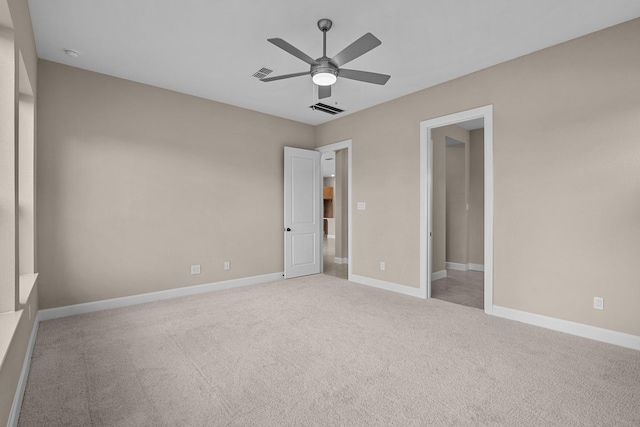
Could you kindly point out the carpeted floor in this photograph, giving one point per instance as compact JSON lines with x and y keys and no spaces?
{"x":321,"y":351}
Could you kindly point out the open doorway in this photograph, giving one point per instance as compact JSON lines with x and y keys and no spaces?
{"x":458,"y":213}
{"x":470,"y":244}
{"x":334,"y":197}
{"x":336,"y":200}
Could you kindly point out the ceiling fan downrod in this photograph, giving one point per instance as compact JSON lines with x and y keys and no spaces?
{"x":324,"y":25}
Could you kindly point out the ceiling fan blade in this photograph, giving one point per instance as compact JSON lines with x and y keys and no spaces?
{"x":364,"y":76}
{"x":286,"y":46}
{"x":324,"y":92}
{"x":285,"y":76}
{"x":359,"y":47}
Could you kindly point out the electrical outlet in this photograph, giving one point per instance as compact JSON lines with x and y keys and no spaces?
{"x":382,"y":265}
{"x":362,"y":206}
{"x":195,"y":269}
{"x":227,"y":265}
{"x":598,"y":303}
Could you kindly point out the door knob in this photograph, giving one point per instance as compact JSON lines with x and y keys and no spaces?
{"x":288,"y":229}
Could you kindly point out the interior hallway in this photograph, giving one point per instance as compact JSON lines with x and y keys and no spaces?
{"x":460,"y":287}
{"x":330,"y":267}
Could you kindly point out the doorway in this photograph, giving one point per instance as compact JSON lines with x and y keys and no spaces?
{"x":336,"y":200}
{"x":458,"y":210}
{"x":461,"y":264}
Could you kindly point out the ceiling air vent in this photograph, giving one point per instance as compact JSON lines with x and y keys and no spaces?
{"x":262,"y":73}
{"x":326,"y":108}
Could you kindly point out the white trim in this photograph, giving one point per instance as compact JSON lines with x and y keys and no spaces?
{"x":463,"y":267}
{"x":346,"y":144}
{"x":476,"y":267}
{"x":388,"y":286}
{"x":456,"y":266}
{"x":341,"y":260}
{"x":488,"y":210}
{"x":426,"y":200}
{"x":438,"y":275}
{"x":331,"y":236}
{"x":72,"y":310}
{"x":426,"y":196}
{"x":586,"y":331}
{"x":14,"y":415}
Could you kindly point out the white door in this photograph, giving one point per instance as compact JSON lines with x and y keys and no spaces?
{"x":302,"y":212}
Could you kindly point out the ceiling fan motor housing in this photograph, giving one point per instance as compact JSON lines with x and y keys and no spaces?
{"x":324,"y":67}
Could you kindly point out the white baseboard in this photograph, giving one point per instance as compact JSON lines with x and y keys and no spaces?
{"x":388,"y":286}
{"x":438,"y":275}
{"x":331,"y":236}
{"x":476,"y":267}
{"x":464,"y":267}
{"x":72,"y":310}
{"x":456,"y":266}
{"x":341,"y":260}
{"x":573,"y":328}
{"x":24,"y":374}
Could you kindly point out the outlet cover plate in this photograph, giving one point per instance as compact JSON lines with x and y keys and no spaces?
{"x":598,"y":303}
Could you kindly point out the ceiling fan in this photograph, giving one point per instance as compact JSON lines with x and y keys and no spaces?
{"x":325,"y":71}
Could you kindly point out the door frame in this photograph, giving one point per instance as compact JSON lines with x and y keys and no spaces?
{"x":426,"y":197}
{"x":337,"y":146}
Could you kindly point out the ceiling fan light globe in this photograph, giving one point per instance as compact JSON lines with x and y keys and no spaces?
{"x":324,"y":79}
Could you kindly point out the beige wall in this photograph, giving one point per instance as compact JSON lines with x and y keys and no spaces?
{"x":457,"y":194}
{"x":457,"y":218}
{"x":439,"y":200}
{"x":566,"y":171}
{"x":137,"y":183}
{"x":458,"y":179}
{"x":476,"y":197}
{"x":341,"y":204}
{"x":440,"y":182}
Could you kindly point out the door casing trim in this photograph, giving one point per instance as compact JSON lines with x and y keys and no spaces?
{"x":342,"y":145}
{"x":426,"y":197}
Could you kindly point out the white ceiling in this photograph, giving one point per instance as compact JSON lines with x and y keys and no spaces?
{"x":211,"y":48}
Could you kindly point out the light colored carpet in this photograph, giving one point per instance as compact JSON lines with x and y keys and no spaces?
{"x":321,"y":351}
